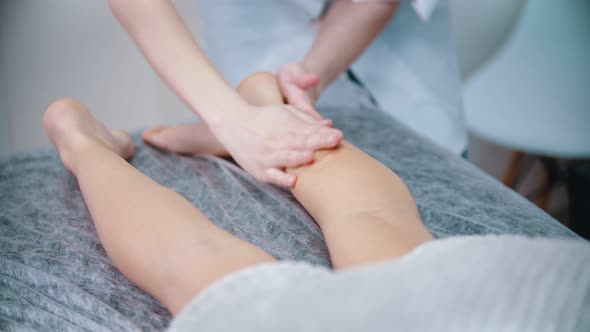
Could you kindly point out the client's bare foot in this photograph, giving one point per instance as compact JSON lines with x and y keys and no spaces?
{"x":185,"y":139}
{"x":70,"y":127}
{"x":197,"y":138}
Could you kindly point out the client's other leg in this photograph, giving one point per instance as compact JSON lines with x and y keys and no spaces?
{"x":153,"y":235}
{"x":363,"y":208}
{"x":194,"y":138}
{"x":197,"y":138}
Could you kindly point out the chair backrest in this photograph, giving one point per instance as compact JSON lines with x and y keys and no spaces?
{"x":481,"y":27}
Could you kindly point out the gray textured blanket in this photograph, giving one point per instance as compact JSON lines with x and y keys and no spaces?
{"x":54,"y":274}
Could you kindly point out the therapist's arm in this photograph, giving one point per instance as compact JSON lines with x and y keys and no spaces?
{"x":344,"y":32}
{"x":169,"y":47}
{"x":263,"y":140}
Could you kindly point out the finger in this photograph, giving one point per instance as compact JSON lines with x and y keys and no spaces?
{"x":327,"y":123}
{"x":307,"y":81}
{"x":293,"y":94}
{"x":296,"y":97}
{"x":304,"y":104}
{"x":315,"y":114}
{"x":291,"y":158}
{"x":280,"y":178}
{"x":306,"y":129}
{"x":324,"y":138}
{"x":308,"y":109}
{"x":299,"y":98}
{"x":302,"y":115}
{"x":292,"y":91}
{"x":152,"y":131}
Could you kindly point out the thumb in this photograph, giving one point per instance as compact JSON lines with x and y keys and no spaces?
{"x":305,"y":106}
{"x":307,"y":80}
{"x":280,"y":178}
{"x":305,"y":115}
{"x":315,"y":114}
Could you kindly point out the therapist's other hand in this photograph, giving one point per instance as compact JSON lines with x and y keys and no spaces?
{"x":300,"y":88}
{"x":266,"y":140}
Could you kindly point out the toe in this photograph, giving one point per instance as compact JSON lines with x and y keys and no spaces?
{"x":150,"y":133}
{"x":153,"y":131}
{"x":155,"y":137}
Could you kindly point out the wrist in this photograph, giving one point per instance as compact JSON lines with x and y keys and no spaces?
{"x":224,"y":112}
{"x":324,"y":72}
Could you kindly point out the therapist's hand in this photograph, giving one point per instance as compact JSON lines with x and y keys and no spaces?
{"x":300,"y":88}
{"x":266,"y":140}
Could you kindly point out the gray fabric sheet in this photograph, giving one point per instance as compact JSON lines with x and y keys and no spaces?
{"x":54,"y":274}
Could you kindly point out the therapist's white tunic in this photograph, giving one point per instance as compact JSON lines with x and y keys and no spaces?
{"x":410,"y":69}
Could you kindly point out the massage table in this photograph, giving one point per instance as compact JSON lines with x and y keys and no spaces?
{"x":55,"y":275}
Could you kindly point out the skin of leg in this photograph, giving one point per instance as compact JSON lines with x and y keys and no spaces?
{"x":365,"y":211}
{"x":153,"y":235}
{"x":363,"y":208}
{"x":189,"y":139}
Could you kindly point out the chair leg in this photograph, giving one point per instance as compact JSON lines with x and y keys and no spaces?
{"x":511,"y":175}
{"x":550,"y":179}
{"x":542,"y":198}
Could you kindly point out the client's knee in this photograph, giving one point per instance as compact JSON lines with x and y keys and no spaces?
{"x":260,"y":89}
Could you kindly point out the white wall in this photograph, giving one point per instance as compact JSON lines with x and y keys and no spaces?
{"x":53,"y":49}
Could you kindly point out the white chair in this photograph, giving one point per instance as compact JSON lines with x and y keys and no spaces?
{"x":481,"y":27}
{"x":534,"y":97}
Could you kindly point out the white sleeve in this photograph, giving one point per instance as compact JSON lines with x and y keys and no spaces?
{"x":423,"y":8}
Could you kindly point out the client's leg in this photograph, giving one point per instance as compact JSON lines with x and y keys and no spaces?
{"x":193,"y":138}
{"x":365,"y":211}
{"x":153,"y":235}
{"x":363,"y":208}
